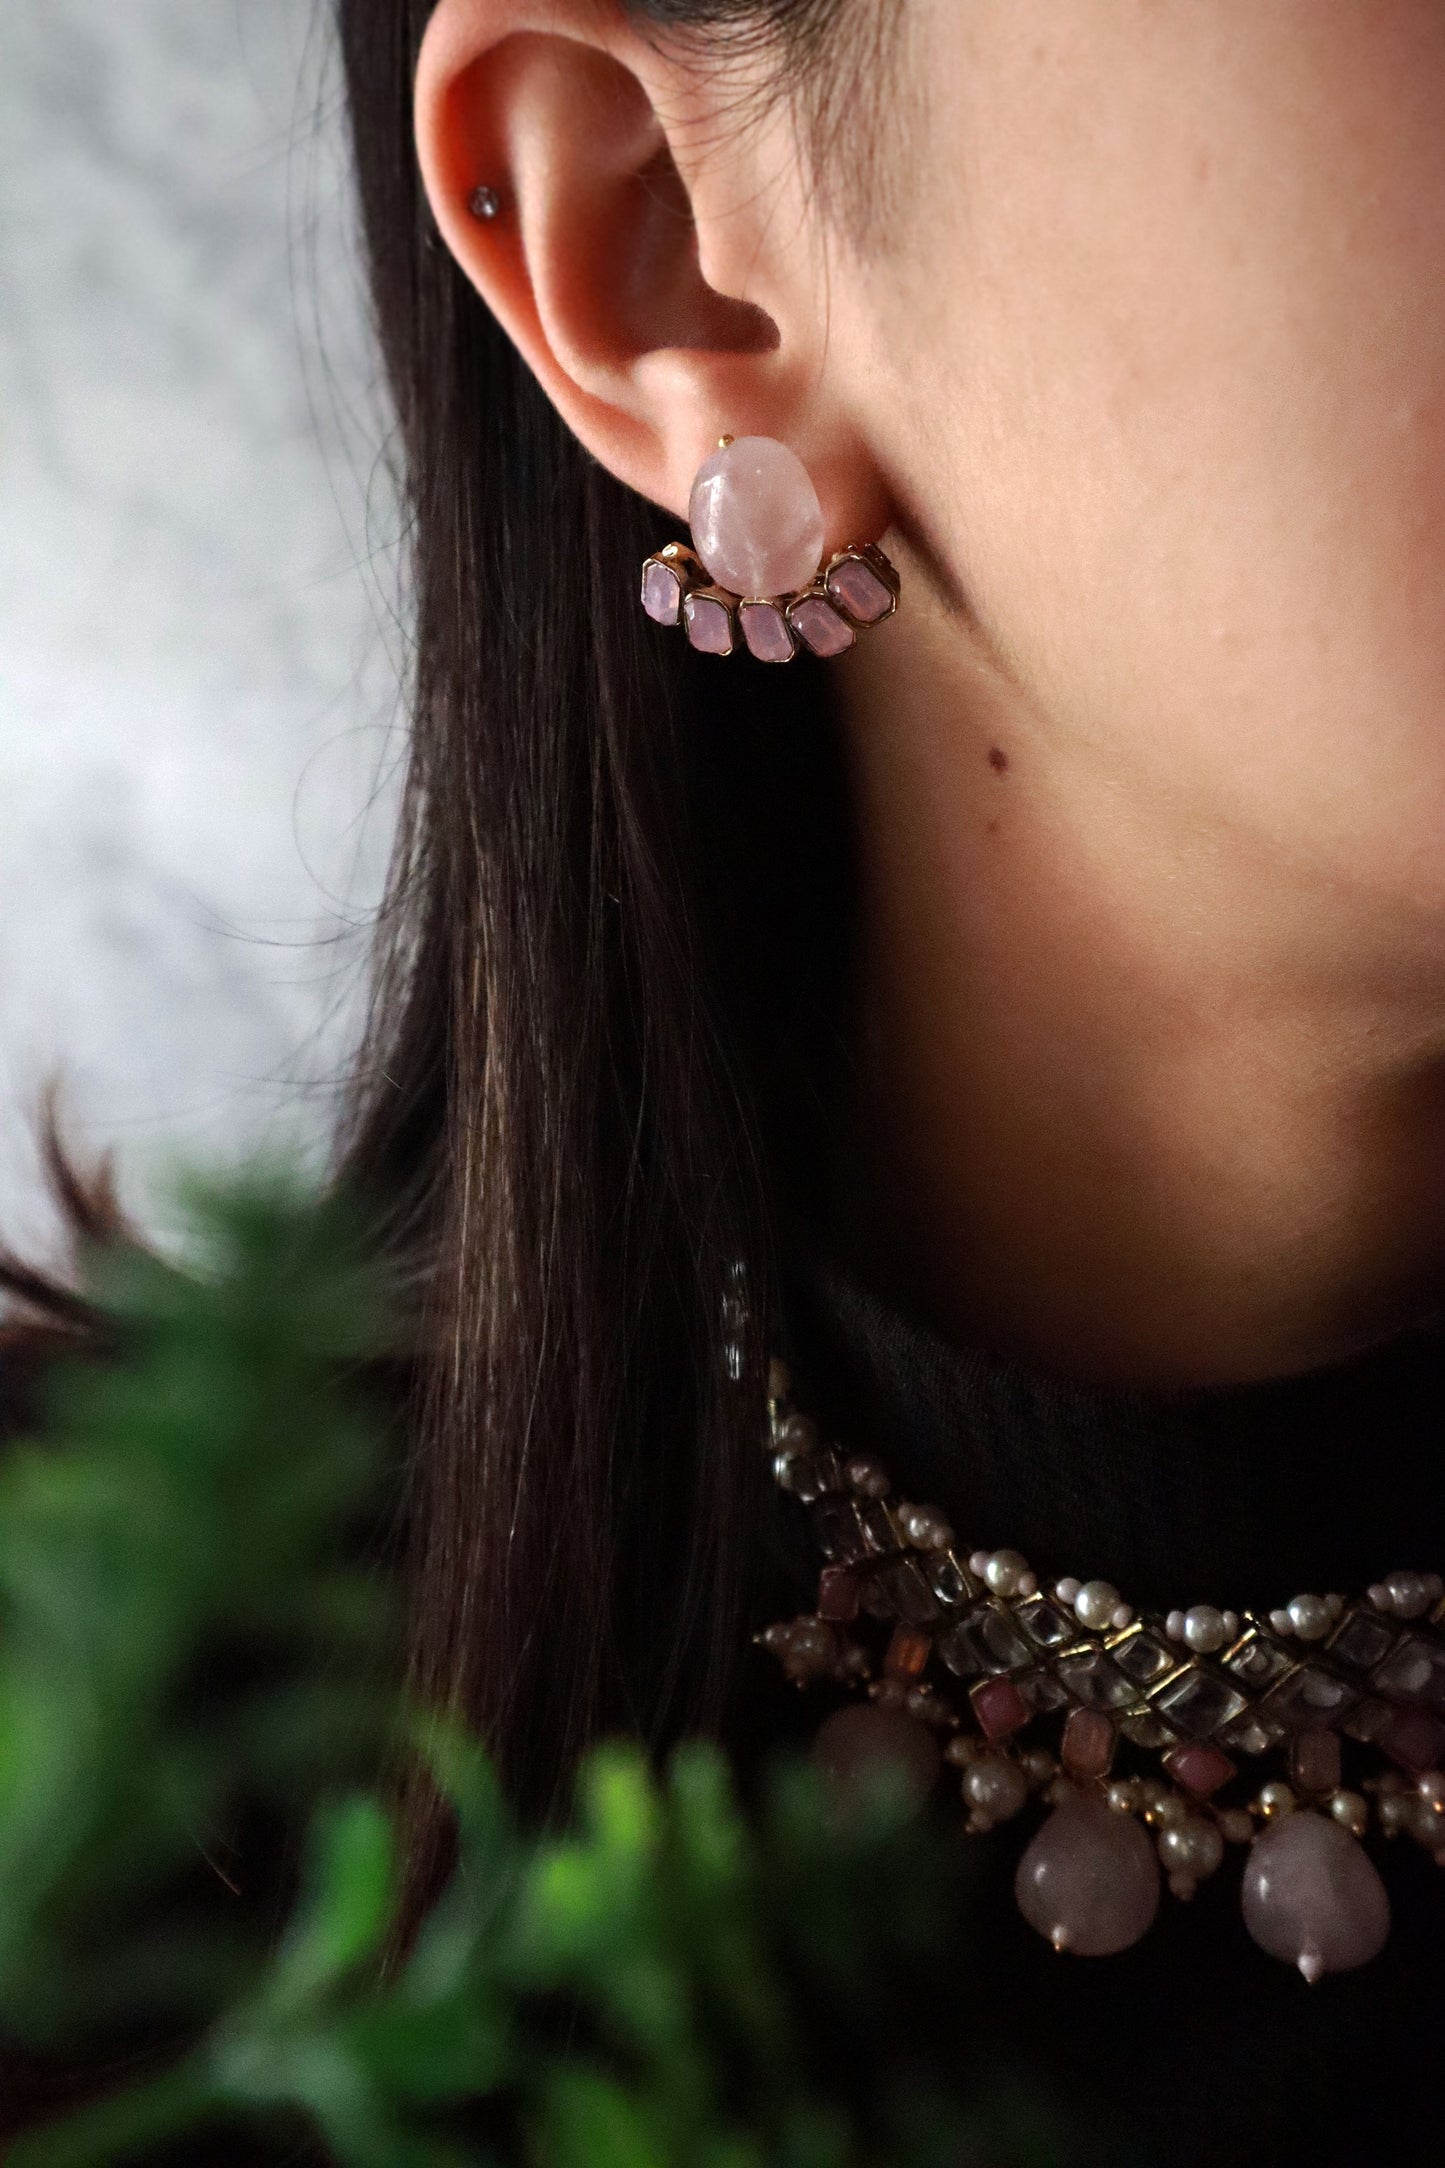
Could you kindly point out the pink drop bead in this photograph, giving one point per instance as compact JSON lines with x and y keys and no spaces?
{"x":853,"y":1742}
{"x":1312,"y":1896}
{"x":1089,"y":1882}
{"x":756,"y":521}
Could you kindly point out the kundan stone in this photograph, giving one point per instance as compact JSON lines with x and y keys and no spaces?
{"x":1312,"y":1896}
{"x":756,"y":521}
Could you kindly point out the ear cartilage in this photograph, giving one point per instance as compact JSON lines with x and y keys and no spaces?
{"x":757,"y":575}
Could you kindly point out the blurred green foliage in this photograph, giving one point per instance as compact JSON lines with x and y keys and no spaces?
{"x":196,"y":1637}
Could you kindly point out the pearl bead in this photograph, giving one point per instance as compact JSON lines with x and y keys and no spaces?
{"x":866,"y":1477}
{"x":1193,"y":1847}
{"x":995,"y":1787}
{"x":1236,"y":1825}
{"x":1408,"y":1593}
{"x":1310,"y":1617}
{"x":1204,"y":1629}
{"x":756,"y":521}
{"x":1089,"y":1881}
{"x":795,"y":1434}
{"x":1004,"y":1571}
{"x":1351,"y":1811}
{"x":1276,"y":1799}
{"x":1067,"y":1589}
{"x":1313,"y":1898}
{"x":1096,"y":1604}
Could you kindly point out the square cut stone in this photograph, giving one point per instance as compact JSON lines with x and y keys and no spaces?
{"x":813,"y":1475}
{"x":876,"y":1523}
{"x":1257,"y":1660}
{"x":1361,"y":1640}
{"x":1142,"y":1657}
{"x":908,"y":1652}
{"x":1198,"y":1702}
{"x":839,"y":1537}
{"x":1199,"y":1768}
{"x":857,"y":588}
{"x":950,"y":1579}
{"x":1314,"y":1761}
{"x":839,"y":1594}
{"x":999,"y":1707}
{"x":908,"y":1591}
{"x":1042,"y":1691}
{"x":1088,"y":1743}
{"x":1094,"y":1681}
{"x":709,"y":624}
{"x":766,"y":631}
{"x":1414,"y":1672}
{"x":1249,"y":1735}
{"x":1045,"y":1624}
{"x":1413,"y":1740}
{"x":819,"y":626}
{"x":661,"y":592}
{"x":1145,"y":1730}
{"x":987,"y":1640}
{"x":1310,"y":1699}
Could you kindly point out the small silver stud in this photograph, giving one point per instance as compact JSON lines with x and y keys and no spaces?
{"x":484,"y":203}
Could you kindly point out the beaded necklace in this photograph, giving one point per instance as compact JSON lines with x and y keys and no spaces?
{"x":965,"y":1659}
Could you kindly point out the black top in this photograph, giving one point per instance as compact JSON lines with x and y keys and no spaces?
{"x":1194,"y":2047}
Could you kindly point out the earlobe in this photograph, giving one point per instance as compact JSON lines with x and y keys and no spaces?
{"x":591,"y":260}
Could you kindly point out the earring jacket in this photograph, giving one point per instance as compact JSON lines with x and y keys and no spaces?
{"x":756,"y":575}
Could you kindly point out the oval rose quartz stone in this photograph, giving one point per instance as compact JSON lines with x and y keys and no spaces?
{"x":853,"y":1743}
{"x":756,"y":521}
{"x":1312,"y":1896}
{"x":1089,"y":1882}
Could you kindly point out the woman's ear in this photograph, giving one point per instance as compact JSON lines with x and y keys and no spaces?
{"x":651,"y":255}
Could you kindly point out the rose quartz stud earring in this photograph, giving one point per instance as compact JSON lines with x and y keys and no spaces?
{"x":757,"y":571}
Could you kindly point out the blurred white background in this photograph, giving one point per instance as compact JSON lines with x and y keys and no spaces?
{"x":198,"y":729}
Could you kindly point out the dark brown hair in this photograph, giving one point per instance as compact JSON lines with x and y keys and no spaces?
{"x":607,"y":963}
{"x":605,"y":1003}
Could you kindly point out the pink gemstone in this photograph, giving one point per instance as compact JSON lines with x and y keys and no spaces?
{"x":856,"y":1741}
{"x":1413,"y":1740}
{"x":1315,"y":1761}
{"x":1088,"y":1745}
{"x":766,"y":631}
{"x":819,"y":626}
{"x":709,"y":624}
{"x":999,"y":1707}
{"x":661,"y":592}
{"x":1312,"y":1896}
{"x":855,"y":585}
{"x":838,"y":1593}
{"x":756,"y":521}
{"x":1199,"y":1769}
{"x":908,"y":1653}
{"x":1089,"y":1882}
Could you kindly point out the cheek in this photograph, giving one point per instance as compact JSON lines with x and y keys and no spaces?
{"x":1175,"y":418}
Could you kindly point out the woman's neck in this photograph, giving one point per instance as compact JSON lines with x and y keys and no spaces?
{"x":1136,"y":1097}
